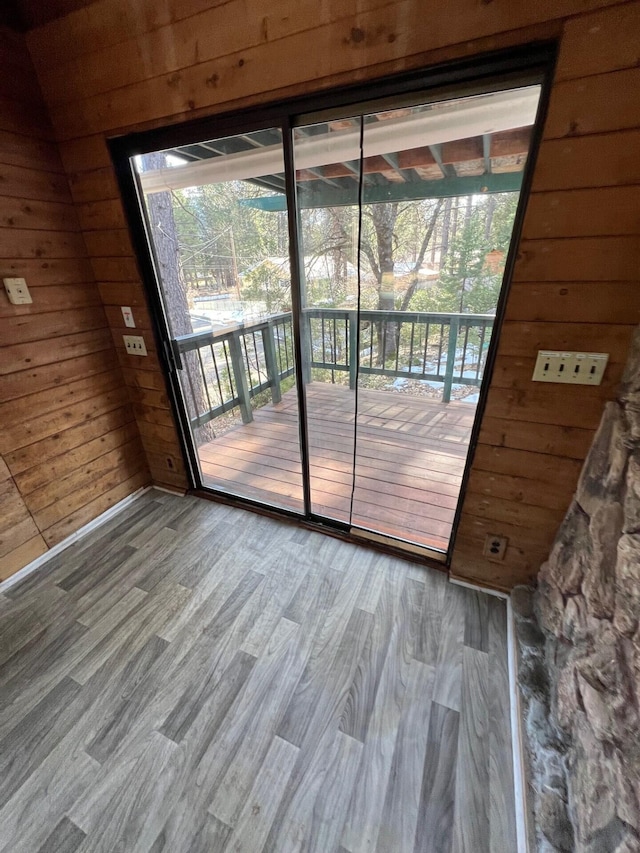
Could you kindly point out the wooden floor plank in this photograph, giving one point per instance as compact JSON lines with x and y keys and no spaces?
{"x":431,"y":627}
{"x":448,"y":685}
{"x":256,"y":817}
{"x":20,"y":696}
{"x":365,"y":810}
{"x":177,"y":724}
{"x":65,"y":838}
{"x":360,"y":701}
{"x":345,"y":627}
{"x":244,"y":740}
{"x":300,"y":693}
{"x":29,"y":817}
{"x":471,"y":833}
{"x":125,"y":807}
{"x":410,"y":458}
{"x":317,"y":810}
{"x":476,"y":624}
{"x":36,"y":735}
{"x":402,"y":799}
{"x":434,"y":833}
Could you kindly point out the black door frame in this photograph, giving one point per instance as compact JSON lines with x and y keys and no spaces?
{"x":525,"y":65}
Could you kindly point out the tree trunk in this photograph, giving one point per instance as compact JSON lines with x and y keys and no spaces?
{"x":463,"y":281}
{"x":492,"y":203}
{"x":165,"y":243}
{"x":384,"y":221}
{"x":446,"y":226}
{"x":428,"y":235}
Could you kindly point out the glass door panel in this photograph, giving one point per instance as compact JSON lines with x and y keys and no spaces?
{"x":441,"y":189}
{"x":218,"y":222}
{"x":399,"y":299}
{"x":327,"y":159}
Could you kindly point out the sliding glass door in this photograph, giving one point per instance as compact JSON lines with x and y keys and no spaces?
{"x":222,"y":264}
{"x":329,"y":287}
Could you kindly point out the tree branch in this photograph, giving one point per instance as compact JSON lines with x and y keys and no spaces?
{"x":408,"y":294}
{"x":368,"y":250}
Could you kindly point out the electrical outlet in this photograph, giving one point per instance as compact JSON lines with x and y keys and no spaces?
{"x":495,"y":547}
{"x":134,"y":344}
{"x":570,"y":368}
{"x":17,"y":291}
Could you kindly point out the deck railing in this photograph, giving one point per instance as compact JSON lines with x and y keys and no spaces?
{"x":227,"y":369}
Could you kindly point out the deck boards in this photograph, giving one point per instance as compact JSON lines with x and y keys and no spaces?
{"x":286,"y":692}
{"x":410,"y":458}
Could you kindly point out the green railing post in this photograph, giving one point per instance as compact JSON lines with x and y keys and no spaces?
{"x":273,"y":374}
{"x":454,"y":325}
{"x":353,"y":349}
{"x":240,"y":378}
{"x":306,"y":348}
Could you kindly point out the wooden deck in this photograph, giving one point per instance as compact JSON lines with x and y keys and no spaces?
{"x":409,"y":462}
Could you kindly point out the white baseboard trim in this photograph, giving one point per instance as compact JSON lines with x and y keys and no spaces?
{"x":478,"y":588}
{"x":82,"y":531}
{"x":516,"y":735}
{"x":177,"y":493}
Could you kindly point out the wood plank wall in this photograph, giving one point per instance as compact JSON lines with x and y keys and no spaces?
{"x":69,"y":446}
{"x":130,"y":64}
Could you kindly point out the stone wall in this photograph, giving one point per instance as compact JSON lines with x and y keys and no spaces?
{"x":579,"y":643}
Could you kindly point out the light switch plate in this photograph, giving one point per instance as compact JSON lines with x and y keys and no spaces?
{"x":570,"y":368}
{"x":135,"y":344}
{"x":17,"y":291}
{"x":127,"y":316}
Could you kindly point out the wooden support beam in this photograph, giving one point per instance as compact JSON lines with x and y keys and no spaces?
{"x":509,"y":142}
{"x":461,"y":150}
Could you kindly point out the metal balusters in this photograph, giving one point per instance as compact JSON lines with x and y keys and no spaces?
{"x":255,"y":357}
{"x":451,"y":359}
{"x":273,"y":374}
{"x":354,"y":355}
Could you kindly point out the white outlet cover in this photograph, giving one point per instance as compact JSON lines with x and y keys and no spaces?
{"x":134,"y":344}
{"x":17,"y":291}
{"x":570,"y":368}
{"x":127,"y":316}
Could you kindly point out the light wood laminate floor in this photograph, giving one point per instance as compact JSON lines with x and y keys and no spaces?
{"x":194,"y":678}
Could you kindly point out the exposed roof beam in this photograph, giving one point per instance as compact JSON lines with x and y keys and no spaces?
{"x":313,"y":175}
{"x":270,"y":182}
{"x":486,"y":152}
{"x":447,"y":170}
{"x":395,"y":173}
{"x":508,"y":143}
{"x":474,"y":116}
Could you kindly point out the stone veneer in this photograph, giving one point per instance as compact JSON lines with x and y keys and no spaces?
{"x":579,"y":651}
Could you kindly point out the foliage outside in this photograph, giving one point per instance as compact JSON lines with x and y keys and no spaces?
{"x":227,"y":247}
{"x":432,"y":256}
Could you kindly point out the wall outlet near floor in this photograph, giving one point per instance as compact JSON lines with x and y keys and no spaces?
{"x":134,"y":344}
{"x":17,"y":291}
{"x":495,"y":547}
{"x":571,"y":368}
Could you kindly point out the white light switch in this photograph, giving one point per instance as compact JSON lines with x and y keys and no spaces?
{"x":134,"y":344}
{"x":570,"y":368}
{"x":17,"y":291}
{"x":127,"y":316}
